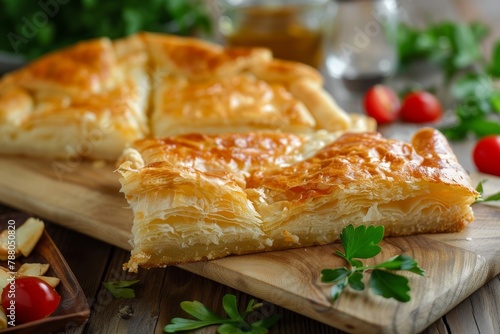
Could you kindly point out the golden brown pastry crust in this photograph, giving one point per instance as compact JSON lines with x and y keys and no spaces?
{"x":77,"y":101}
{"x":238,"y":103}
{"x":290,"y":191}
{"x":85,"y":67}
{"x":237,"y":90}
{"x":198,"y":60}
{"x":151,"y":84}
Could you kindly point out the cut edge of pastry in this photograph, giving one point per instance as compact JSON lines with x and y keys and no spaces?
{"x":435,"y":197}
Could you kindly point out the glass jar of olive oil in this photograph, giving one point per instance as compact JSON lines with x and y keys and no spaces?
{"x":292,"y":29}
{"x":360,"y":47}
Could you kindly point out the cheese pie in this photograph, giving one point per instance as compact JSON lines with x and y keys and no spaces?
{"x":95,"y":97}
{"x":197,"y":197}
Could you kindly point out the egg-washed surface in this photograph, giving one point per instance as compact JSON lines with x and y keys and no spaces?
{"x":198,"y":197}
{"x":93,"y":98}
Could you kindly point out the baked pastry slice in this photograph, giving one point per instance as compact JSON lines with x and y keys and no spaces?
{"x":199,"y":197}
{"x":86,"y":100}
{"x":95,"y":97}
{"x":239,"y":103}
{"x":206,"y":88}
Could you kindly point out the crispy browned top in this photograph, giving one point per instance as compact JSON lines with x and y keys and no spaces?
{"x":86,"y":67}
{"x":237,"y":100}
{"x":279,"y":163}
{"x":197,"y":60}
{"x":225,"y":152}
{"x":199,"y":80}
{"x":202,"y":87}
{"x":285,"y":72}
{"x":359,"y":158}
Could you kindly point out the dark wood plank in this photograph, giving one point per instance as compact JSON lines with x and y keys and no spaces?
{"x":180,"y":285}
{"x":486,"y":307}
{"x":439,"y":327}
{"x":145,"y":307}
{"x":480,"y":313}
{"x":87,"y":259}
{"x":461,"y":319}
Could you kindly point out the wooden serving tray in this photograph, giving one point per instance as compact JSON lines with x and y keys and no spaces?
{"x":85,"y":197}
{"x":73,"y":307}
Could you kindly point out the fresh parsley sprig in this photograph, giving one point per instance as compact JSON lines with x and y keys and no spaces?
{"x":121,"y":289}
{"x":235,"y":324}
{"x":362,"y":243}
{"x":480,"y":190}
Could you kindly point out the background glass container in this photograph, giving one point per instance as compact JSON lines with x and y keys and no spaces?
{"x":360,"y":46}
{"x":292,"y":29}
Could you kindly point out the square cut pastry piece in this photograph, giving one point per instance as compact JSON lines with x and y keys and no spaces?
{"x":205,"y":88}
{"x":94,"y":98}
{"x":86,"y":100}
{"x":198,"y":197}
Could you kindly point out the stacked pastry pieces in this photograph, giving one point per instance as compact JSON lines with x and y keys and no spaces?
{"x":94,"y":98}
{"x":227,"y":150}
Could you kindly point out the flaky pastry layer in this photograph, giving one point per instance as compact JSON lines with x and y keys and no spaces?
{"x":199,"y":197}
{"x":93,"y":98}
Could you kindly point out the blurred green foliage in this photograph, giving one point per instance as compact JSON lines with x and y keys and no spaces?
{"x":34,"y":27}
{"x":456,"y":48}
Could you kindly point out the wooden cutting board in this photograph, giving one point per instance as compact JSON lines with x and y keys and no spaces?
{"x":85,"y":197}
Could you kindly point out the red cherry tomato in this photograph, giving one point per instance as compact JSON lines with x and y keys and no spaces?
{"x":29,"y":299}
{"x":382,"y":103}
{"x":486,"y":155}
{"x":421,"y":107}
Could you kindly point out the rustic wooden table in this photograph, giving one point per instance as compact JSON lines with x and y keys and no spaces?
{"x":161,"y":290}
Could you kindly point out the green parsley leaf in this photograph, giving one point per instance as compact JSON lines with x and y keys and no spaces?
{"x":181,"y":324}
{"x":340,"y":277}
{"x":479,"y":187}
{"x":199,"y":311}
{"x":471,"y":85}
{"x":494,"y":197}
{"x":230,"y":329}
{"x":453,"y":46}
{"x":355,"y":281}
{"x":235,"y":324}
{"x":121,"y":289}
{"x":389,"y":285}
{"x":402,"y":262}
{"x":334,"y":275}
{"x":267,"y":322}
{"x":362,"y":242}
{"x":231,"y":307}
{"x":494,"y":67}
{"x":480,"y":190}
